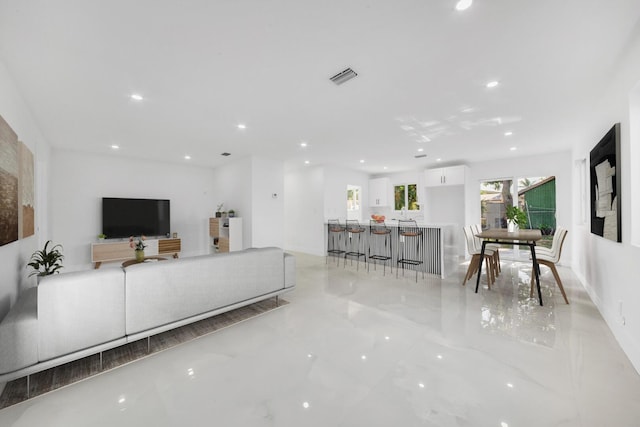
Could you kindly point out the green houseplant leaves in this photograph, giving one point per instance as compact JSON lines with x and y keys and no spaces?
{"x":46,"y":261}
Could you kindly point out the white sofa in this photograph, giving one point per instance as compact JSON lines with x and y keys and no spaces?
{"x":73,"y":315}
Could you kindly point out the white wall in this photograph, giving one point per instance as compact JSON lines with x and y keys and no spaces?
{"x":247,"y":185}
{"x":80,"y":180}
{"x":336,"y":180}
{"x":267,"y":209}
{"x":610,"y":271}
{"x":304,"y":210}
{"x":15,"y":255}
{"x":314,"y":195}
{"x":233,"y":187}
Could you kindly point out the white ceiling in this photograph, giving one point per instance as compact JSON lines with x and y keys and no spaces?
{"x":204,"y":66}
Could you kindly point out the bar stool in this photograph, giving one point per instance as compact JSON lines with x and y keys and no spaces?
{"x":354,"y":246}
{"x":410,"y":251}
{"x":336,"y":244}
{"x":380,"y":245}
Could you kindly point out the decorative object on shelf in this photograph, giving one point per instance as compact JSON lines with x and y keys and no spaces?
{"x":101,"y":237}
{"x":138,"y":246}
{"x":46,"y":262}
{"x":219,"y":210}
{"x":516,"y":218}
{"x":232,"y":213}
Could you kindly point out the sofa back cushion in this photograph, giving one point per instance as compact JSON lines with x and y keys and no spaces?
{"x":79,"y":310}
{"x":163,"y":292}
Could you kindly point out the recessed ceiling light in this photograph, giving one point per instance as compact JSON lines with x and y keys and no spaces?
{"x":492,"y":84}
{"x":303,"y":144}
{"x":115,"y":147}
{"x":508,"y":133}
{"x":384,"y":167}
{"x":463,"y":4}
{"x":136,"y":97}
{"x":306,"y":162}
{"x":361,"y":161}
{"x":242,"y":126}
{"x":187,"y":157}
{"x":420,"y":150}
{"x":467,"y":110}
{"x":438,"y":160}
{"x":513,"y":148}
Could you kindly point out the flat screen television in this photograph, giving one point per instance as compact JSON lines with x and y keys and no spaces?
{"x":134,"y":217}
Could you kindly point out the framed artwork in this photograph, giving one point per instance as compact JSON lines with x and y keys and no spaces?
{"x":605,"y":186}
{"x":8,"y":184}
{"x":17,"y":187}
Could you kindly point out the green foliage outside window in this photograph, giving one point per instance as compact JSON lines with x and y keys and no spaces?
{"x":398,"y":196}
{"x":406,"y":196}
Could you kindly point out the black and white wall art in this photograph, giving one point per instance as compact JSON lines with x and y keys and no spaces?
{"x":605,"y":186}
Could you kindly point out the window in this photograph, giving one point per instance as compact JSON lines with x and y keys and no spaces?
{"x":406,"y":197}
{"x":536,"y":196}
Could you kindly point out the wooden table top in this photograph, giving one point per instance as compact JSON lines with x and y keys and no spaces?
{"x":133,"y":261}
{"x":504,"y":234}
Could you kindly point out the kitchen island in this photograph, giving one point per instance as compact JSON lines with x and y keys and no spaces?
{"x":439,"y":243}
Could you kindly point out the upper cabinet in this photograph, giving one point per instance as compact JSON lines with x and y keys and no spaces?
{"x":379,"y":192}
{"x":452,"y":175}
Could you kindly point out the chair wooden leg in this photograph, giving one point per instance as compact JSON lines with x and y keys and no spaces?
{"x":497,"y":255}
{"x":490,"y":278}
{"x":473,"y":268}
{"x":556,"y":276}
{"x":532,"y":280}
{"x":558,"y":281}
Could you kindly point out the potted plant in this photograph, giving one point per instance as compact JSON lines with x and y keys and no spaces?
{"x":46,"y":261}
{"x":101,"y":237}
{"x":516,"y":218}
{"x":138,"y":246}
{"x":232,"y":213}
{"x":219,"y":210}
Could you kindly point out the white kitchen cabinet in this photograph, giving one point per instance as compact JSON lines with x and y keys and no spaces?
{"x":379,"y":191}
{"x":452,"y":175}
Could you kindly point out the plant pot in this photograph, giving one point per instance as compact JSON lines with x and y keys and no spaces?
{"x":218,"y":214}
{"x":232,"y":214}
{"x":512,"y":226}
{"x":139,"y":255}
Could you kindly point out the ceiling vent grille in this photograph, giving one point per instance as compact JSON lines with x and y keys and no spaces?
{"x":343,"y":76}
{"x":419,"y":156}
{"x":225,"y":154}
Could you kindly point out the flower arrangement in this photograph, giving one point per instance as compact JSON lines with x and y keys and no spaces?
{"x":139,"y":245}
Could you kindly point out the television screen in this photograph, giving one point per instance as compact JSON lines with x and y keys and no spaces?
{"x":135,"y":217}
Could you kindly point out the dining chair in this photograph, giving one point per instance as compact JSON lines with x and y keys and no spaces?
{"x":550,"y":258}
{"x":477,"y":228}
{"x":474,"y":265}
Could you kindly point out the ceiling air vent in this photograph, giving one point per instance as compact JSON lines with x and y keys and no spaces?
{"x":343,"y":76}
{"x":225,"y":154}
{"x":419,"y":156}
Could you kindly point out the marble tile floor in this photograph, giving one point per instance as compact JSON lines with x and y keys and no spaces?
{"x":358,"y":349}
{"x":68,"y":373}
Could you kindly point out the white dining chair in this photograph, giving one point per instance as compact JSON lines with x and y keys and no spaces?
{"x":477,"y":228}
{"x":550,"y":258}
{"x":474,"y":251}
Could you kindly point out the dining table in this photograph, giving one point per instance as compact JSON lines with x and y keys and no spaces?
{"x":518,"y":237}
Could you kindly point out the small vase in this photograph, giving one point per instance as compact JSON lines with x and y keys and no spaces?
{"x":139,"y":255}
{"x":511,"y":226}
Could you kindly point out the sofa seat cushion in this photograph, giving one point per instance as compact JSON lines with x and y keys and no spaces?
{"x":79,"y":310}
{"x":19,"y":333}
{"x":165,"y":292}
